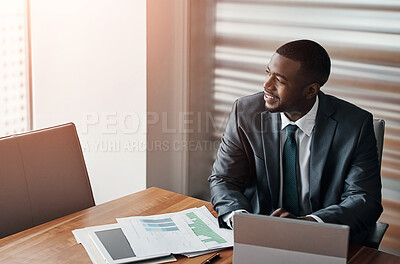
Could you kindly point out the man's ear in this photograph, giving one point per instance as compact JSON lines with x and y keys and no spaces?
{"x":312,"y":90}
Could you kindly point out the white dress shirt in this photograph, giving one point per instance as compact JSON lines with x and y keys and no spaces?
{"x":303,"y":136}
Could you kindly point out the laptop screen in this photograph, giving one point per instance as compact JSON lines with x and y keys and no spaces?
{"x":266,"y":239}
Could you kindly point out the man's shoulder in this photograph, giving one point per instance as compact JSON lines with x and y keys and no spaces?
{"x":344,"y":108}
{"x":251,"y":103}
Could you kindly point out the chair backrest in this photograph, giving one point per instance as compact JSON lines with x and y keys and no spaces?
{"x":379,"y":129}
{"x":377,"y":232}
{"x":43,"y":176}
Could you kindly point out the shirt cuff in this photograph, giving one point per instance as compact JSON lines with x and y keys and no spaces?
{"x":319,"y":220}
{"x":228,"y":218}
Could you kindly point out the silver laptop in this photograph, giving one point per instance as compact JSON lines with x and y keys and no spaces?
{"x":265,"y":239}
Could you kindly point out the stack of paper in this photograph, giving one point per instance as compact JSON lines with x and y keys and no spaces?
{"x":191,"y":232}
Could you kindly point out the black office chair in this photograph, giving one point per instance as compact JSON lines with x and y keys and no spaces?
{"x":376,"y":234}
{"x":43,"y":176}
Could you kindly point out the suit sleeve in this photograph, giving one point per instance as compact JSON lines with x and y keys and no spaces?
{"x":360,"y":205}
{"x":230,"y":171}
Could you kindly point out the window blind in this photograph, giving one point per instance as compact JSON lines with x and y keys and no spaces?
{"x":14,"y":110}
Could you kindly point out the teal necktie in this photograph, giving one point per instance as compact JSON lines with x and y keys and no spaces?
{"x":290,"y":197}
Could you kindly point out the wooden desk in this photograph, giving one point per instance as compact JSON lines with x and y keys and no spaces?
{"x":53,"y":242}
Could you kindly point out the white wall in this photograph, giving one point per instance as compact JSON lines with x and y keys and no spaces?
{"x":89,"y":67}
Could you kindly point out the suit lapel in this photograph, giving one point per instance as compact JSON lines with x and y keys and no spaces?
{"x":270,"y":127}
{"x":324,"y":131}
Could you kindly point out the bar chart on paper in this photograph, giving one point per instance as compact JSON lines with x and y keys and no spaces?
{"x":203,"y":231}
{"x":159,"y":225}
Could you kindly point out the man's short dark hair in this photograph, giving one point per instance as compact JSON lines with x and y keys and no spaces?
{"x":313,"y":58}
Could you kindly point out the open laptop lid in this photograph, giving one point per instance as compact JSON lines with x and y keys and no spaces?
{"x":266,"y":239}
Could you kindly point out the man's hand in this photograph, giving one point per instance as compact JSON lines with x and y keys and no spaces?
{"x":285,"y":214}
{"x":282,"y":213}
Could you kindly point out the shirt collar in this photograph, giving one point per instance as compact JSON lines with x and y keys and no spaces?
{"x":305,"y":123}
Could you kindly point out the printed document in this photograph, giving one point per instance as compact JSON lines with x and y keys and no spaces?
{"x":192,"y":230}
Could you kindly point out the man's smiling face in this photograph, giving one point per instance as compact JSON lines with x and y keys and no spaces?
{"x":285,"y":88}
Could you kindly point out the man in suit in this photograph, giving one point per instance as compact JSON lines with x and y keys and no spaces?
{"x":293,"y":151}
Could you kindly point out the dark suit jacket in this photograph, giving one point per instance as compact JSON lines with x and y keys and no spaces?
{"x":345,"y":184}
